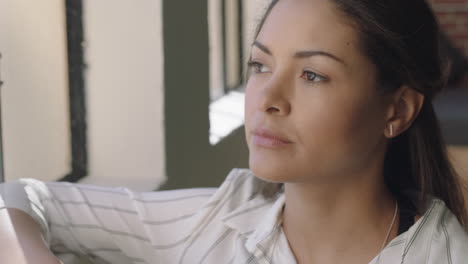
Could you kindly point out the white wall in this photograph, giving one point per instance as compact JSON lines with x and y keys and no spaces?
{"x":124,"y":89}
{"x":125,"y":92}
{"x":35,"y":94}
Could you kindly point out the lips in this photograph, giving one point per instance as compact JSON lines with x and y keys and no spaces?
{"x":269,"y":136}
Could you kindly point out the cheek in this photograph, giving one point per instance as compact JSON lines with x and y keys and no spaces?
{"x":248,"y":100}
{"x":337,"y":134}
{"x":250,"y":105}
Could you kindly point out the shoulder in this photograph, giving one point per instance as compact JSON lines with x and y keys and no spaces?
{"x":436,"y":238}
{"x":449,"y":241}
{"x":240,"y":184}
{"x":446,"y":223}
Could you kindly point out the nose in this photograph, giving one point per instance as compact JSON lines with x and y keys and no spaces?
{"x":274,"y":99}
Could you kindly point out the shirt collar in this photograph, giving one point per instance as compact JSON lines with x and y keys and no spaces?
{"x":257,"y":219}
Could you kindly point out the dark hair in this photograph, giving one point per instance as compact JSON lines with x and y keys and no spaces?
{"x":401,"y":38}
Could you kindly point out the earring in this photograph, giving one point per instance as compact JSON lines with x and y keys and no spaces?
{"x":391,"y":130}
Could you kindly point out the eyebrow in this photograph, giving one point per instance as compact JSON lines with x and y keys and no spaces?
{"x":301,"y":54}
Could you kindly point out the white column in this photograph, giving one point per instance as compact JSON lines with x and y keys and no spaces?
{"x":35,"y":95}
{"x":125,"y":99}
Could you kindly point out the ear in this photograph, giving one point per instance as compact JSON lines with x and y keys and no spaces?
{"x":405,"y":106}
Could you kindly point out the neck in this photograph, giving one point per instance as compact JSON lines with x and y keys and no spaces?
{"x":323,"y":222}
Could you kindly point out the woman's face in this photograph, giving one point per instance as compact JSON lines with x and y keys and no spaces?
{"x":311,"y":86}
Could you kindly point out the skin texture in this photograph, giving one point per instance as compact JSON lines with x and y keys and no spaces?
{"x":21,"y":240}
{"x":338,"y":126}
{"x":343,"y":114}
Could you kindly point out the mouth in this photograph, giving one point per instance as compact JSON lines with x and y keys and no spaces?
{"x":268,"y":138}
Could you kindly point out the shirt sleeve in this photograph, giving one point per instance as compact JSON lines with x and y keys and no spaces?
{"x":115,"y":225}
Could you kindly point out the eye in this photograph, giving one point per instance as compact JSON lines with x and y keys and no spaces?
{"x":312,"y":76}
{"x":257,"y":67}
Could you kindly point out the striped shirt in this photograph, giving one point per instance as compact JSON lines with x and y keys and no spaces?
{"x":235,"y":223}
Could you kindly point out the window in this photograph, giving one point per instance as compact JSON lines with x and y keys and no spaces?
{"x":231,"y":25}
{"x":232,"y":43}
{"x":226,"y":46}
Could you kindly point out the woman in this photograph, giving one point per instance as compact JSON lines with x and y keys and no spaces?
{"x":347,"y":164}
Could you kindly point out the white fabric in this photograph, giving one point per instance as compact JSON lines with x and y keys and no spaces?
{"x":234,"y":223}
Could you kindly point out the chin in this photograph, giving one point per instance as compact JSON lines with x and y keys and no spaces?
{"x":272,"y":172}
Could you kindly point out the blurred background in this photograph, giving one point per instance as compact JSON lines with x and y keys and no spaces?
{"x":148,"y":94}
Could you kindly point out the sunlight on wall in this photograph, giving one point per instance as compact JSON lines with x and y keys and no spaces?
{"x":125,"y":93}
{"x":35,"y":94}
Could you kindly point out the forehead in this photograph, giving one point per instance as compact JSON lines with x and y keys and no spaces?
{"x":308,"y":24}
